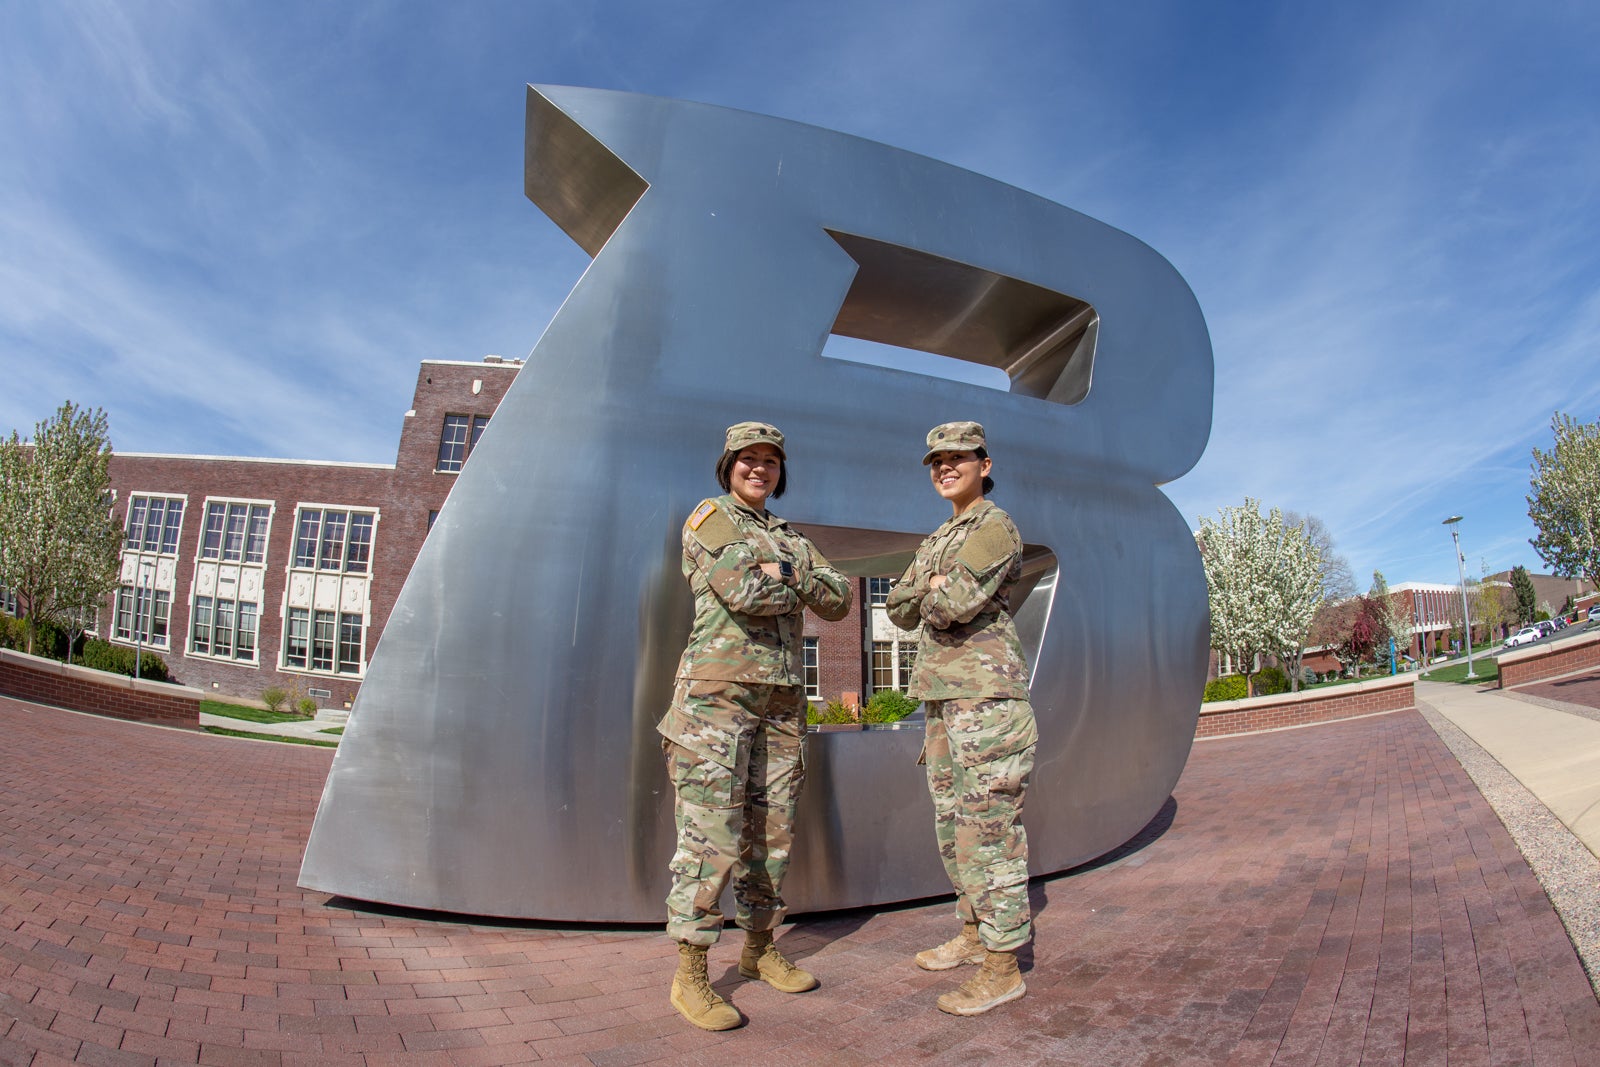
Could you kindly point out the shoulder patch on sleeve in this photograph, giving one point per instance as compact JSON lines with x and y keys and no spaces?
{"x":984,"y":547}
{"x":712,"y":527}
{"x":700,"y":513}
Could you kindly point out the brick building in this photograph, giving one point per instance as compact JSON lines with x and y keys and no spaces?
{"x":245,"y":574}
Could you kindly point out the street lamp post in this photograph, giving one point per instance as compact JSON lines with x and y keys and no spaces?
{"x":1466,"y":615}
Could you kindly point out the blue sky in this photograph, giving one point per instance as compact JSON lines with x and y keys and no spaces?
{"x":238,"y":227}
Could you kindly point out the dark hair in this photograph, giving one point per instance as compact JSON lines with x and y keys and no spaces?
{"x":988,"y":482}
{"x":725,"y":473}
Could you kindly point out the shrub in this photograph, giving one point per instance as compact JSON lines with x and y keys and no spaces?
{"x":119,"y":659}
{"x":1271,"y":680}
{"x":273,"y":698}
{"x":834,"y":712}
{"x":47,"y":640}
{"x":888,"y":705}
{"x":1228,"y":687}
{"x":1307,"y":677}
{"x":308,"y":707}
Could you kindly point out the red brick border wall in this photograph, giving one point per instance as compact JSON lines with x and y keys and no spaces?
{"x":45,"y":681}
{"x":1224,"y":717}
{"x":1537,"y":662}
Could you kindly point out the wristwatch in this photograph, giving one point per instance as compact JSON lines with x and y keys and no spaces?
{"x":785,"y":570}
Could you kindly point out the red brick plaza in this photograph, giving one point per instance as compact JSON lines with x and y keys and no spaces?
{"x":1339,"y":894}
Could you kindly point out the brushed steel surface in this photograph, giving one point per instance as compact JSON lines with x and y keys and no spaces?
{"x":501,"y":758}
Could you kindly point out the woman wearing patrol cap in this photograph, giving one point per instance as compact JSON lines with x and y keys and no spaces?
{"x":972,"y":678}
{"x":733,"y":734}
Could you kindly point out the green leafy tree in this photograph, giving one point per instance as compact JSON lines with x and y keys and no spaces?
{"x":1264,"y":584}
{"x":1493,"y":604}
{"x":1522,"y":589}
{"x":58,"y":541}
{"x":1564,"y":503}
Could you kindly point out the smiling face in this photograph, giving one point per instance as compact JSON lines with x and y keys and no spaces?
{"x":755,"y":474}
{"x":958,"y":477}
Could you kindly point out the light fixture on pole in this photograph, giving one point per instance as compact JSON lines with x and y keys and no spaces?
{"x":1466,"y":615}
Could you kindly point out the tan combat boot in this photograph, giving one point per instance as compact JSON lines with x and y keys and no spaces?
{"x":761,"y":959}
{"x":693,"y":996}
{"x":963,"y":948}
{"x":998,"y":981}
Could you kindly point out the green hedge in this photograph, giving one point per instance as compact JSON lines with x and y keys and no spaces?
{"x":1271,"y":680}
{"x":1228,"y":687}
{"x":888,"y":705}
{"x":119,"y":659}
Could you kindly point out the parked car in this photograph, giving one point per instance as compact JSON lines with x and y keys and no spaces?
{"x":1594,"y":613}
{"x":1545,"y":627}
{"x":1560,"y":622}
{"x":1525,"y":636}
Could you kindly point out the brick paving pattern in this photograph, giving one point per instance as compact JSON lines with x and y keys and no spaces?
{"x":1573,"y":694}
{"x":1334,"y":895}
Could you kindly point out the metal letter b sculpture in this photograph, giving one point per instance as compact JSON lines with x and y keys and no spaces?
{"x":501,"y":758}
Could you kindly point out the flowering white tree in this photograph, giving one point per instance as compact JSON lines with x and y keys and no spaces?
{"x":1394,"y":624}
{"x":1565,"y":502}
{"x":1264,"y":579}
{"x":58,"y":541}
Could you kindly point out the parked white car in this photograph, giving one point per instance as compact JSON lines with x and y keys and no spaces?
{"x":1525,"y":636}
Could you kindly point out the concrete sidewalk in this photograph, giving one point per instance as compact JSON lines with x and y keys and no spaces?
{"x":1555,"y":754}
{"x":308,"y":728}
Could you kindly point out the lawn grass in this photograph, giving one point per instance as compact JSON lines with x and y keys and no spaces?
{"x":248,"y":714}
{"x":270,"y":737}
{"x":1486,"y":668}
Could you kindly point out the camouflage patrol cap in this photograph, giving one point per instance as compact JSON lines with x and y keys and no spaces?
{"x":953,"y":437}
{"x":744,"y":434}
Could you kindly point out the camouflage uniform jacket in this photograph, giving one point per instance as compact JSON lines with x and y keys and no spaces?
{"x":747,"y":626}
{"x":969,"y":647}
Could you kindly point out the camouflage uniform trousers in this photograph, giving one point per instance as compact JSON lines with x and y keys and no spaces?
{"x":735,"y":813}
{"x":977,"y":776}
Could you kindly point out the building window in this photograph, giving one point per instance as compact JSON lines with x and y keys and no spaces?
{"x":235,"y":532}
{"x":458,"y":438}
{"x":878,"y":591}
{"x":142,"y":615}
{"x":882,"y":665}
{"x":349,"y":643}
{"x":324,"y":641}
{"x":297,"y":638}
{"x":331,"y":539}
{"x":891,"y":665}
{"x":8,"y":601}
{"x":153,"y":524}
{"x":813,"y":674}
{"x":223,"y":628}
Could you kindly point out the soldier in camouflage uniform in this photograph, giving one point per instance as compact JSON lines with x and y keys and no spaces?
{"x":734,"y":732}
{"x":980,"y":730}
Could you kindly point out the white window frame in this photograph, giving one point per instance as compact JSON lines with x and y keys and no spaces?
{"x":811,"y":669}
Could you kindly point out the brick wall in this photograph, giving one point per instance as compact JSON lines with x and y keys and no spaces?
{"x":402,"y":493}
{"x":1537,"y":662}
{"x":839,"y":645}
{"x":1225,"y":717}
{"x":45,"y":681}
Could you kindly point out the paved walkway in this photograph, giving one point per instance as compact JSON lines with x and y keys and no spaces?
{"x":1554,"y":753}
{"x":1340,"y":894}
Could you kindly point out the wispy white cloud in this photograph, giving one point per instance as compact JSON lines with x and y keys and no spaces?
{"x":240,"y":228}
